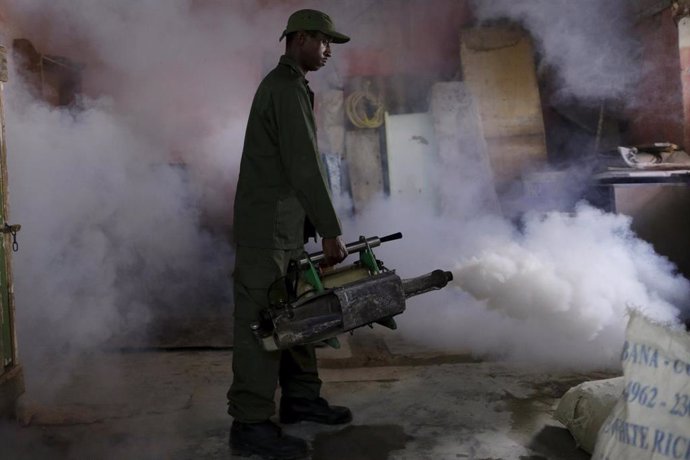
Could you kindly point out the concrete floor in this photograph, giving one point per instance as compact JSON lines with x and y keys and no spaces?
{"x":406,"y":405}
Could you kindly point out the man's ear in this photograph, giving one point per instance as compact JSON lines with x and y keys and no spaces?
{"x":301,"y":37}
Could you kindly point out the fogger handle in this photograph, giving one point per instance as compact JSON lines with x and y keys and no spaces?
{"x":353,"y":247}
{"x":391,"y":237}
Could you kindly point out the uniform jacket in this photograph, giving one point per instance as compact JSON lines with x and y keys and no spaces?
{"x":281,"y":178}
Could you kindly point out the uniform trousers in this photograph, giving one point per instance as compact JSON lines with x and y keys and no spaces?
{"x":257,"y":372}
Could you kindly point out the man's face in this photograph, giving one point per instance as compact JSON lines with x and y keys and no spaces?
{"x":315,"y":50}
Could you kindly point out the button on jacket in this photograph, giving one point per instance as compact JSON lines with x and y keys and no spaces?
{"x":281,"y":176}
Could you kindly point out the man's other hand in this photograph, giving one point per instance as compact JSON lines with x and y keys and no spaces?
{"x":333,"y":251}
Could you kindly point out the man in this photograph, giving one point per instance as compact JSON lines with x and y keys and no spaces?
{"x":281,"y":195}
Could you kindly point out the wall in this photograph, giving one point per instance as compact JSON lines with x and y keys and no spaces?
{"x":411,"y":38}
{"x":658,"y":113}
{"x":659,"y":212}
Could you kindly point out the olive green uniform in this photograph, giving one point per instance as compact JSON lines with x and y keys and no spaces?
{"x":281,"y":185}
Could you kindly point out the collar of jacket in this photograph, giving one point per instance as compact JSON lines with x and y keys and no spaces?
{"x":288,"y":61}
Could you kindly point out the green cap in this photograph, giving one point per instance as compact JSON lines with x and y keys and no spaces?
{"x":313,"y":20}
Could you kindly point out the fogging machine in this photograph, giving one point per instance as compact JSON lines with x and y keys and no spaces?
{"x":311,"y":304}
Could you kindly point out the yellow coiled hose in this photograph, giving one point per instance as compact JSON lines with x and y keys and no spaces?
{"x":357,"y":113}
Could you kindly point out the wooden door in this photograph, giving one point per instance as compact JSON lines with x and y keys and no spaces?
{"x":11,"y":381}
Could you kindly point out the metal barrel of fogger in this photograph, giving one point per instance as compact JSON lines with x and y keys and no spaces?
{"x":353,"y":247}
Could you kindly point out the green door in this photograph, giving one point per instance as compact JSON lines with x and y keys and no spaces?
{"x":7,"y":338}
{"x":7,"y":349}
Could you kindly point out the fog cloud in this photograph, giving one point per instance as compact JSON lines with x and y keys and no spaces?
{"x":589,"y":42}
{"x":126,"y":204}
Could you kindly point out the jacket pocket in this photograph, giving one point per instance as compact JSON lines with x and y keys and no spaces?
{"x":289,"y":222}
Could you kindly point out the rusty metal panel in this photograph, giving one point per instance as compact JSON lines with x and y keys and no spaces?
{"x":498,"y":67}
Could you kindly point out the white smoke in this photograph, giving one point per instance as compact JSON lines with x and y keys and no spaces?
{"x":555,"y":292}
{"x":121,"y":200}
{"x":589,"y":42}
{"x":112,"y":233}
{"x":125,"y":202}
{"x":110,"y":230}
{"x":554,"y":288}
{"x":579,"y":271}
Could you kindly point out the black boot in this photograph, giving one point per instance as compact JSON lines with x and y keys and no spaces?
{"x":267,"y":440}
{"x":293,"y":410}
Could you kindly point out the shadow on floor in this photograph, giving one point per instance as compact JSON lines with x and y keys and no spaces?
{"x":556,"y":442}
{"x":363,"y":442}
